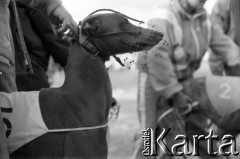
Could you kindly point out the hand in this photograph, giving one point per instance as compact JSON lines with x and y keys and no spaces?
{"x":181,"y":103}
{"x":114,"y":110}
{"x":62,"y":21}
{"x":233,"y":70}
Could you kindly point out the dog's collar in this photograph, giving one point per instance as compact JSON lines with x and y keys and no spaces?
{"x":92,"y":49}
{"x":83,"y":40}
{"x":87,"y":45}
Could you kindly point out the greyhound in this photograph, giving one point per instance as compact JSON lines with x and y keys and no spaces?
{"x":71,"y":121}
{"x":217,"y":99}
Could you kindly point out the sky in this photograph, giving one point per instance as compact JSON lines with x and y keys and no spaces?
{"x":139,"y":9}
{"x":134,"y":8}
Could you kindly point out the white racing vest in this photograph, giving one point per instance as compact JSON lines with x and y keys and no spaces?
{"x":22,"y":118}
{"x":224,"y":93}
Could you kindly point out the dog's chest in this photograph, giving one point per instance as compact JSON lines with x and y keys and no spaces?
{"x":224,"y":93}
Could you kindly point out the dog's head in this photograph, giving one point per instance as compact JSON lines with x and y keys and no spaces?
{"x":112,"y":33}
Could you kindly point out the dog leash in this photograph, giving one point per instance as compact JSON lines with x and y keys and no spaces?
{"x":167,"y":112}
{"x":111,"y":10}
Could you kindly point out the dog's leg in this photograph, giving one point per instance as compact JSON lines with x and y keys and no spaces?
{"x":176,"y":123}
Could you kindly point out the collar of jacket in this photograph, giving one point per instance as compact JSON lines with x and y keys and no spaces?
{"x":178,"y":8}
{"x":26,"y":59}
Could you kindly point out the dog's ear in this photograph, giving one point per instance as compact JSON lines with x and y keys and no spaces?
{"x":90,"y":27}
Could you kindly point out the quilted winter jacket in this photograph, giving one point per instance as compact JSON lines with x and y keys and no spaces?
{"x":41,"y":44}
{"x":6,"y":45}
{"x":188,"y":37}
{"x":221,"y":16}
{"x":235,"y":11}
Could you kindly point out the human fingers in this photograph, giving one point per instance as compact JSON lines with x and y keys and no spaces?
{"x":68,"y":24}
{"x":55,"y":28}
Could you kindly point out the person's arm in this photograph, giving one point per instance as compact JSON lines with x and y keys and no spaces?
{"x":223,"y":46}
{"x":59,"y":17}
{"x":161,"y":69}
{"x":235,"y":12}
{"x":57,"y":48}
{"x":221,"y":15}
{"x":46,"y":6}
{"x":216,"y":64}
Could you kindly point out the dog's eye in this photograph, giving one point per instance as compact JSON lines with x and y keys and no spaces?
{"x":126,"y":21}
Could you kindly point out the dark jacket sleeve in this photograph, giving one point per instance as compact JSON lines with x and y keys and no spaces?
{"x":235,"y":11}
{"x":223,"y":46}
{"x":57,"y":48}
{"x":46,"y":6}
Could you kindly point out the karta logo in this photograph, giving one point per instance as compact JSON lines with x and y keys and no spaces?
{"x":151,"y":144}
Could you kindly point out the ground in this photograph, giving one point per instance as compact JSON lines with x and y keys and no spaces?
{"x":123,"y":129}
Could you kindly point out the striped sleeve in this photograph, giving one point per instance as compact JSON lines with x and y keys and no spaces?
{"x":46,"y":6}
{"x":161,"y":69}
{"x":51,"y":5}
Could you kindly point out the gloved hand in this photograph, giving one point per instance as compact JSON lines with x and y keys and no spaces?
{"x":181,"y":102}
{"x":114,"y":110}
{"x":61,"y":21}
{"x":217,"y":70}
{"x":233,"y":70}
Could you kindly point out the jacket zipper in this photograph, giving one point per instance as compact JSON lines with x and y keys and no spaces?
{"x":194,"y":30}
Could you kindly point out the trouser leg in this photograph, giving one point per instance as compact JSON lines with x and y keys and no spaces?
{"x":147,"y":112}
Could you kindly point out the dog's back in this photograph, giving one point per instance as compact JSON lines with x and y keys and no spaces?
{"x":223,"y":93}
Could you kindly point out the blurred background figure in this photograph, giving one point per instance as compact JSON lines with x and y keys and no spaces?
{"x":41,"y":44}
{"x":189,"y":33}
{"x":222,"y":17}
{"x":235,"y":13}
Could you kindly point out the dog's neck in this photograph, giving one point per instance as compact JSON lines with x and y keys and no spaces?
{"x":82,"y":68}
{"x":87,"y":84}
{"x":86,"y":90}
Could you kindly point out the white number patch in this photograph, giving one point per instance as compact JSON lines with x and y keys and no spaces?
{"x":226,"y":90}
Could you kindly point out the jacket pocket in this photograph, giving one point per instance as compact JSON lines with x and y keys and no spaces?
{"x":4,"y":60}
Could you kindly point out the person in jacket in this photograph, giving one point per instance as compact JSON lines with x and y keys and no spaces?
{"x":61,"y":21}
{"x":235,"y":12}
{"x":189,"y":33}
{"x":41,"y":44}
{"x":221,"y":16}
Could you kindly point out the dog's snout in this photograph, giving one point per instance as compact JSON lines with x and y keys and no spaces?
{"x":157,"y":34}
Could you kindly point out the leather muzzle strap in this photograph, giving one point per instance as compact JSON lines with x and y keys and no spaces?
{"x":86,"y":44}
